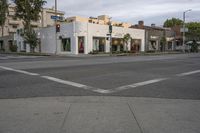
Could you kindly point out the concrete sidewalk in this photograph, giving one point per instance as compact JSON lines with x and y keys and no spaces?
{"x":99,"y":115}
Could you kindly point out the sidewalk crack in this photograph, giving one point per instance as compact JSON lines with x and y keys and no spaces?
{"x":65,"y":118}
{"x":135,"y":118}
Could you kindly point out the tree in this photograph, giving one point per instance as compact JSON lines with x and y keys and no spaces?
{"x":163,"y":43}
{"x":3,"y":12}
{"x":31,"y":38}
{"x":173,"y":22}
{"x":28,"y":11}
{"x":193,"y":31}
{"x":127,"y":37}
{"x":194,"y":46}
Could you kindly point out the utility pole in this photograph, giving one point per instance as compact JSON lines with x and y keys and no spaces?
{"x":184,"y":45}
{"x":1,"y":16}
{"x":56,"y":27}
{"x":110,"y":31}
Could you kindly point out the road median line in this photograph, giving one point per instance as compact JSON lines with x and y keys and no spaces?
{"x":99,"y":90}
{"x":19,"y":71}
{"x":188,"y":73}
{"x":78,"y":85}
{"x":138,"y":84}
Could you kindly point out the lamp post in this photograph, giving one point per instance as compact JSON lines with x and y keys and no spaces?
{"x":110,"y":31}
{"x":55,"y":27}
{"x":0,"y":16}
{"x":184,"y":13}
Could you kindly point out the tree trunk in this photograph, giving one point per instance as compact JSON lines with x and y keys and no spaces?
{"x":126,"y":47}
{"x":2,"y":30}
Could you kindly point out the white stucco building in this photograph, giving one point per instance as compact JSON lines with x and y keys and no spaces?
{"x":84,"y":38}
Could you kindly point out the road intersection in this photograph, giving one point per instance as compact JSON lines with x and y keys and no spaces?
{"x":140,"y":94}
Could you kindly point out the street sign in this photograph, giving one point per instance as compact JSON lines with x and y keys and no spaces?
{"x":56,"y":17}
{"x":186,"y":30}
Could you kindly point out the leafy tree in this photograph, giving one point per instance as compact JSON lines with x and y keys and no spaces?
{"x":193,"y":31}
{"x":31,"y":38}
{"x":173,"y":22}
{"x":194,"y":46}
{"x":28,"y":11}
{"x":163,"y":43}
{"x":3,"y":11}
{"x":127,"y":37}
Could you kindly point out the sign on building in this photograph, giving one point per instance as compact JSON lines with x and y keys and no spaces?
{"x":186,"y":30}
{"x":56,"y":17}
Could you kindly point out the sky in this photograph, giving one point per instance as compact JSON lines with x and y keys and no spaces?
{"x":150,"y":11}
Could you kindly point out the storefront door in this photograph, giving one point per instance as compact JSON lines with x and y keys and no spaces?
{"x":1,"y":45}
{"x":99,"y":44}
{"x":81,"y":45}
{"x":136,"y":45}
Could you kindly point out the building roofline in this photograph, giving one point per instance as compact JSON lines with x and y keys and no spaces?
{"x":51,"y":9}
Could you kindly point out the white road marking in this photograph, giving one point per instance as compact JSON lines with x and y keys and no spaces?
{"x":19,"y":71}
{"x":102,"y":91}
{"x":78,"y":85}
{"x":64,"y":82}
{"x":137,"y":84}
{"x":188,"y":73}
{"x":98,"y":90}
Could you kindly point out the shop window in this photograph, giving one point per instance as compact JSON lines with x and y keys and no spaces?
{"x":153,"y":45}
{"x":66,"y":45}
{"x":24,"y":45}
{"x":136,"y":45}
{"x":117,"y":45}
{"x":81,"y":45}
{"x":19,"y":44}
{"x":1,"y":44}
{"x":14,"y":26}
{"x":15,"y":18}
{"x":99,"y":44}
{"x":169,"y":45}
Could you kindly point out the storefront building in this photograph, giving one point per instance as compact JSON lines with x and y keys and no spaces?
{"x":84,"y":38}
{"x":157,"y":38}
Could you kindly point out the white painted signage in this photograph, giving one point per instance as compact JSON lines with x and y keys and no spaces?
{"x":186,"y":30}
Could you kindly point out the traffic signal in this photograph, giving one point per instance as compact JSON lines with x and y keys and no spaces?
{"x":57,"y":27}
{"x":110,"y":28}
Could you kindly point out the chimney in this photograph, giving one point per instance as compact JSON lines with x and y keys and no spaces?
{"x":141,"y":24}
{"x":153,"y":25}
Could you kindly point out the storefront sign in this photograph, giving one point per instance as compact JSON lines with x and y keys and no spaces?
{"x":154,"y":37}
{"x":170,"y":38}
{"x":118,"y":35}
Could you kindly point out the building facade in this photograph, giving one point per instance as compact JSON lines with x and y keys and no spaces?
{"x":102,"y":20}
{"x":14,"y":25}
{"x":77,"y":37}
{"x":157,"y":38}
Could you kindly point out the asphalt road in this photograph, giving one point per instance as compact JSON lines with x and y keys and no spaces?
{"x":168,"y":76}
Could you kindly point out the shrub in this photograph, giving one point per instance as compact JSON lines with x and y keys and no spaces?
{"x":13,"y":48}
{"x":2,"y":50}
{"x":151,"y":51}
{"x":94,"y":52}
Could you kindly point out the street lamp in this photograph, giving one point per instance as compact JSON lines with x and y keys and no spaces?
{"x":110,"y":32}
{"x":184,"y":13}
{"x":56,"y":26}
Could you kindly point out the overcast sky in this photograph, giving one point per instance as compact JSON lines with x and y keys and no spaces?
{"x":151,"y":11}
